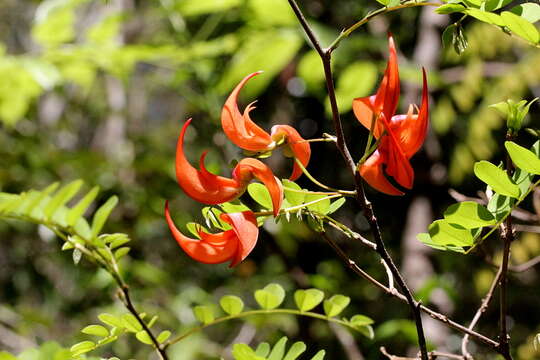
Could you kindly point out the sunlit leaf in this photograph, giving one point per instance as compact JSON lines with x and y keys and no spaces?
{"x":270,"y":297}
{"x":335,"y":305}
{"x":308,"y":299}
{"x":469,"y":215}
{"x":496,"y":178}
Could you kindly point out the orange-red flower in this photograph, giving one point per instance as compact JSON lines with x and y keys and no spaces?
{"x":401,"y":136}
{"x":207,"y":188}
{"x":243,"y":132}
{"x":232,"y":245}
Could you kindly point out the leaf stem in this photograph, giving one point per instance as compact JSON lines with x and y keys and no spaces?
{"x":258,"y":312}
{"x":345,"y":33}
{"x":297,"y":207}
{"x":318,"y":183}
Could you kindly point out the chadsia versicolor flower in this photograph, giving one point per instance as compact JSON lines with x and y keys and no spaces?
{"x":247,"y":135}
{"x":232,"y":245}
{"x":400,"y":136}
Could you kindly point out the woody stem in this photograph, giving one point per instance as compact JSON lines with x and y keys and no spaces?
{"x":326,"y":57}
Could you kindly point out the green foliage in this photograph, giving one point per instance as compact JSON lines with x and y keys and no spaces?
{"x":260,"y":194}
{"x":269,"y":300}
{"x":514,"y":112}
{"x":278,"y":352}
{"x":113,"y":327}
{"x":518,"y":21}
{"x":270,"y":297}
{"x":463,"y":222}
{"x":496,"y":178}
{"x":308,"y":299}
{"x":47,"y":350}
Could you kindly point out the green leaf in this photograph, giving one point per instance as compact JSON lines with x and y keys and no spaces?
{"x":130,"y":323}
{"x":231,"y":304}
{"x":523,"y":158}
{"x":82,"y":347}
{"x":449,"y":8}
{"x":263,"y":349}
{"x":78,"y":210}
{"x":320,"y":207}
{"x":360,"y":320}
{"x":111,"y":320}
{"x":143,"y":337}
{"x":521,"y":27}
{"x":61,"y":197}
{"x":116,"y":240}
{"x":500,"y":205}
{"x":367,"y":331}
{"x":293,"y":197}
{"x":54,"y":23}
{"x":335,"y":305}
{"x":204,"y":313}
{"x":486,"y":17}
{"x":491,"y":5}
{"x":335,"y":206}
{"x":469,"y":215}
{"x":96,"y":330}
{"x":6,"y":356}
{"x":244,"y":352}
{"x":279,"y":349}
{"x":102,"y":214}
{"x":260,"y":194}
{"x":118,"y":254}
{"x":496,"y":178}
{"x":443,"y":233}
{"x":356,"y":80}
{"x":319,"y":355}
{"x":270,"y":297}
{"x":163,"y":336}
{"x":529,"y":11}
{"x":297,"y":349}
{"x":308,"y":299}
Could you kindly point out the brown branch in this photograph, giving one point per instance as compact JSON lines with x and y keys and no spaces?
{"x":483,"y":307}
{"x":507,"y":236}
{"x":526,"y":265}
{"x":125,"y":297}
{"x":393,"y":292}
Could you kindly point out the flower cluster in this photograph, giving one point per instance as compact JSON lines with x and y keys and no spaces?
{"x":201,"y":185}
{"x":399,"y":136}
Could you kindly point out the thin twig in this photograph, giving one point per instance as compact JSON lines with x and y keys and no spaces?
{"x":124,"y":290}
{"x":393,"y":292}
{"x":507,"y":236}
{"x":483,"y":307}
{"x":526,"y":265}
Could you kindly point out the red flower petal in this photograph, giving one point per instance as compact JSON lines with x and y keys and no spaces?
{"x":238,"y":127}
{"x":202,"y":185}
{"x":372,"y":172}
{"x":211,"y":249}
{"x":411,"y":129}
{"x":245,"y":227}
{"x":299,"y":147}
{"x":248,"y":168}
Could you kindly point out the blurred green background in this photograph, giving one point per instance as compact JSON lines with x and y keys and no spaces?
{"x":98,"y":90}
